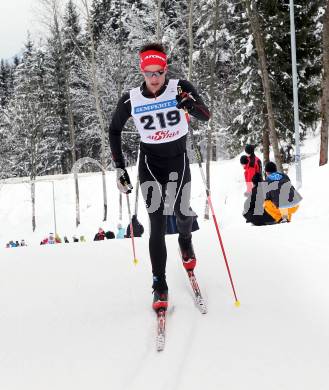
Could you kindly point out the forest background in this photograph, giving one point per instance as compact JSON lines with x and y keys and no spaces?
{"x":56,"y":99}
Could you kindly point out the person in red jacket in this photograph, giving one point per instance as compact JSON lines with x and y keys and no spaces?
{"x":251,"y":164}
{"x":100,"y":236}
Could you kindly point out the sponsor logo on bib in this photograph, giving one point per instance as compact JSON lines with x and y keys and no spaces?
{"x":163,"y":134}
{"x":155,"y":106}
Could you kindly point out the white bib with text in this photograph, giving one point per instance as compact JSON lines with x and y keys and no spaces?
{"x":158,"y":120}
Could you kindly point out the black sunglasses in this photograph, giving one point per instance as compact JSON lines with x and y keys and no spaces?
{"x":151,"y":74}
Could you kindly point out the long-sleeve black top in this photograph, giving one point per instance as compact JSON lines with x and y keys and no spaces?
{"x":169,"y":149}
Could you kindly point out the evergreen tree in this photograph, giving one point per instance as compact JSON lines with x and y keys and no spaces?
{"x":62,"y":64}
{"x":27,"y":116}
{"x":128,"y":25}
{"x":56,"y":76}
{"x":276,"y":26}
{"x":174,"y":27}
{"x":73,"y":49}
{"x":244,"y":92}
{"x":4,"y":83}
{"x":208,"y":55}
{"x":244,"y":121}
{"x":100,"y":9}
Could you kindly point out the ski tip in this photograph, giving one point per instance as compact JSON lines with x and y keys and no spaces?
{"x":160,"y":345}
{"x":135,"y":261}
{"x":204,"y":310}
{"x":160,"y":341}
{"x":237,"y":303}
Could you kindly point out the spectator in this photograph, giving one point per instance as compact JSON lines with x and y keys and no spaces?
{"x":17,"y":243}
{"x":254,"y":211}
{"x":282,"y":199}
{"x":252,"y":165}
{"x":82,"y":239}
{"x":138,"y":228}
{"x":58,"y":240}
{"x":121,"y":231}
{"x":48,"y":240}
{"x":273,"y":201}
{"x":66,"y":240}
{"x":100,"y":235}
{"x":23,"y":243}
{"x":109,"y":235}
{"x":75,"y":239}
{"x":51,"y":239}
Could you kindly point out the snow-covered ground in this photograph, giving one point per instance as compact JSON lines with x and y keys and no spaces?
{"x":78,"y":316}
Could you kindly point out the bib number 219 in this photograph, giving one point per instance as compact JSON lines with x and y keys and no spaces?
{"x":170,"y":118}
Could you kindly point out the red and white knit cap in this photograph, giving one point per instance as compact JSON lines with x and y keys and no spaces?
{"x":152,"y":57}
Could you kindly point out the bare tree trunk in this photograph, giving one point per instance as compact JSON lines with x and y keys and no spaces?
{"x":325,"y":90}
{"x":266,"y":139}
{"x":260,"y":48}
{"x":34,"y":139}
{"x":190,"y":40}
{"x":97,"y":103}
{"x":33,"y":203}
{"x":69,"y":109}
{"x":190,"y":71}
{"x":159,"y":21}
{"x":212,"y":102}
{"x":32,"y":180}
{"x":266,"y":145}
{"x":120,"y":206}
{"x":73,"y":149}
{"x":120,"y":88}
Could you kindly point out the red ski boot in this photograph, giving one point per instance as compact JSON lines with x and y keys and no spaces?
{"x":187,"y":253}
{"x":160,"y":291}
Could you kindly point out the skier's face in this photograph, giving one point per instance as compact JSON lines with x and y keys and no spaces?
{"x":155,"y":77}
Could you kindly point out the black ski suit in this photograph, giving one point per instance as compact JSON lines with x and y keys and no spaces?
{"x":156,"y":163}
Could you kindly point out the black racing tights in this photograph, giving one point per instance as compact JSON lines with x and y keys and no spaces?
{"x":165,"y":185}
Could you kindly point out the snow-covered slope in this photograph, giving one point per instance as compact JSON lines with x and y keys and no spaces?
{"x":78,"y":316}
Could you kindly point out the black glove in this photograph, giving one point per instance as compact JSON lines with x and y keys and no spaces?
{"x":123,"y":181}
{"x":184,"y":101}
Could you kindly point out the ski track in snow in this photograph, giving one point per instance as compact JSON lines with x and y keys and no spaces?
{"x":78,"y":316}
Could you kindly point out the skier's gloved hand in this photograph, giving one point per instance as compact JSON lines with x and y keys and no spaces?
{"x":123,"y":181}
{"x":184,"y":101}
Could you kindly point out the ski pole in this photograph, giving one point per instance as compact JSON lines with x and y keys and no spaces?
{"x":137,"y":187}
{"x":131,"y":231}
{"x":237,"y":302}
{"x":198,"y":157}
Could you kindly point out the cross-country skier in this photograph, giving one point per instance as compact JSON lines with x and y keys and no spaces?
{"x":157,"y":107}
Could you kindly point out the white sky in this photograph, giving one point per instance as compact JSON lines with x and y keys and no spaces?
{"x":16,"y":18}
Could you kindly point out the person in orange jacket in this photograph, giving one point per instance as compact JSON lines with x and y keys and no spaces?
{"x":282,"y":199}
{"x":272,"y":201}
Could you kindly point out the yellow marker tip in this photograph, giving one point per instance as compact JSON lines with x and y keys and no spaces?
{"x":135,"y":261}
{"x":237,"y":303}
